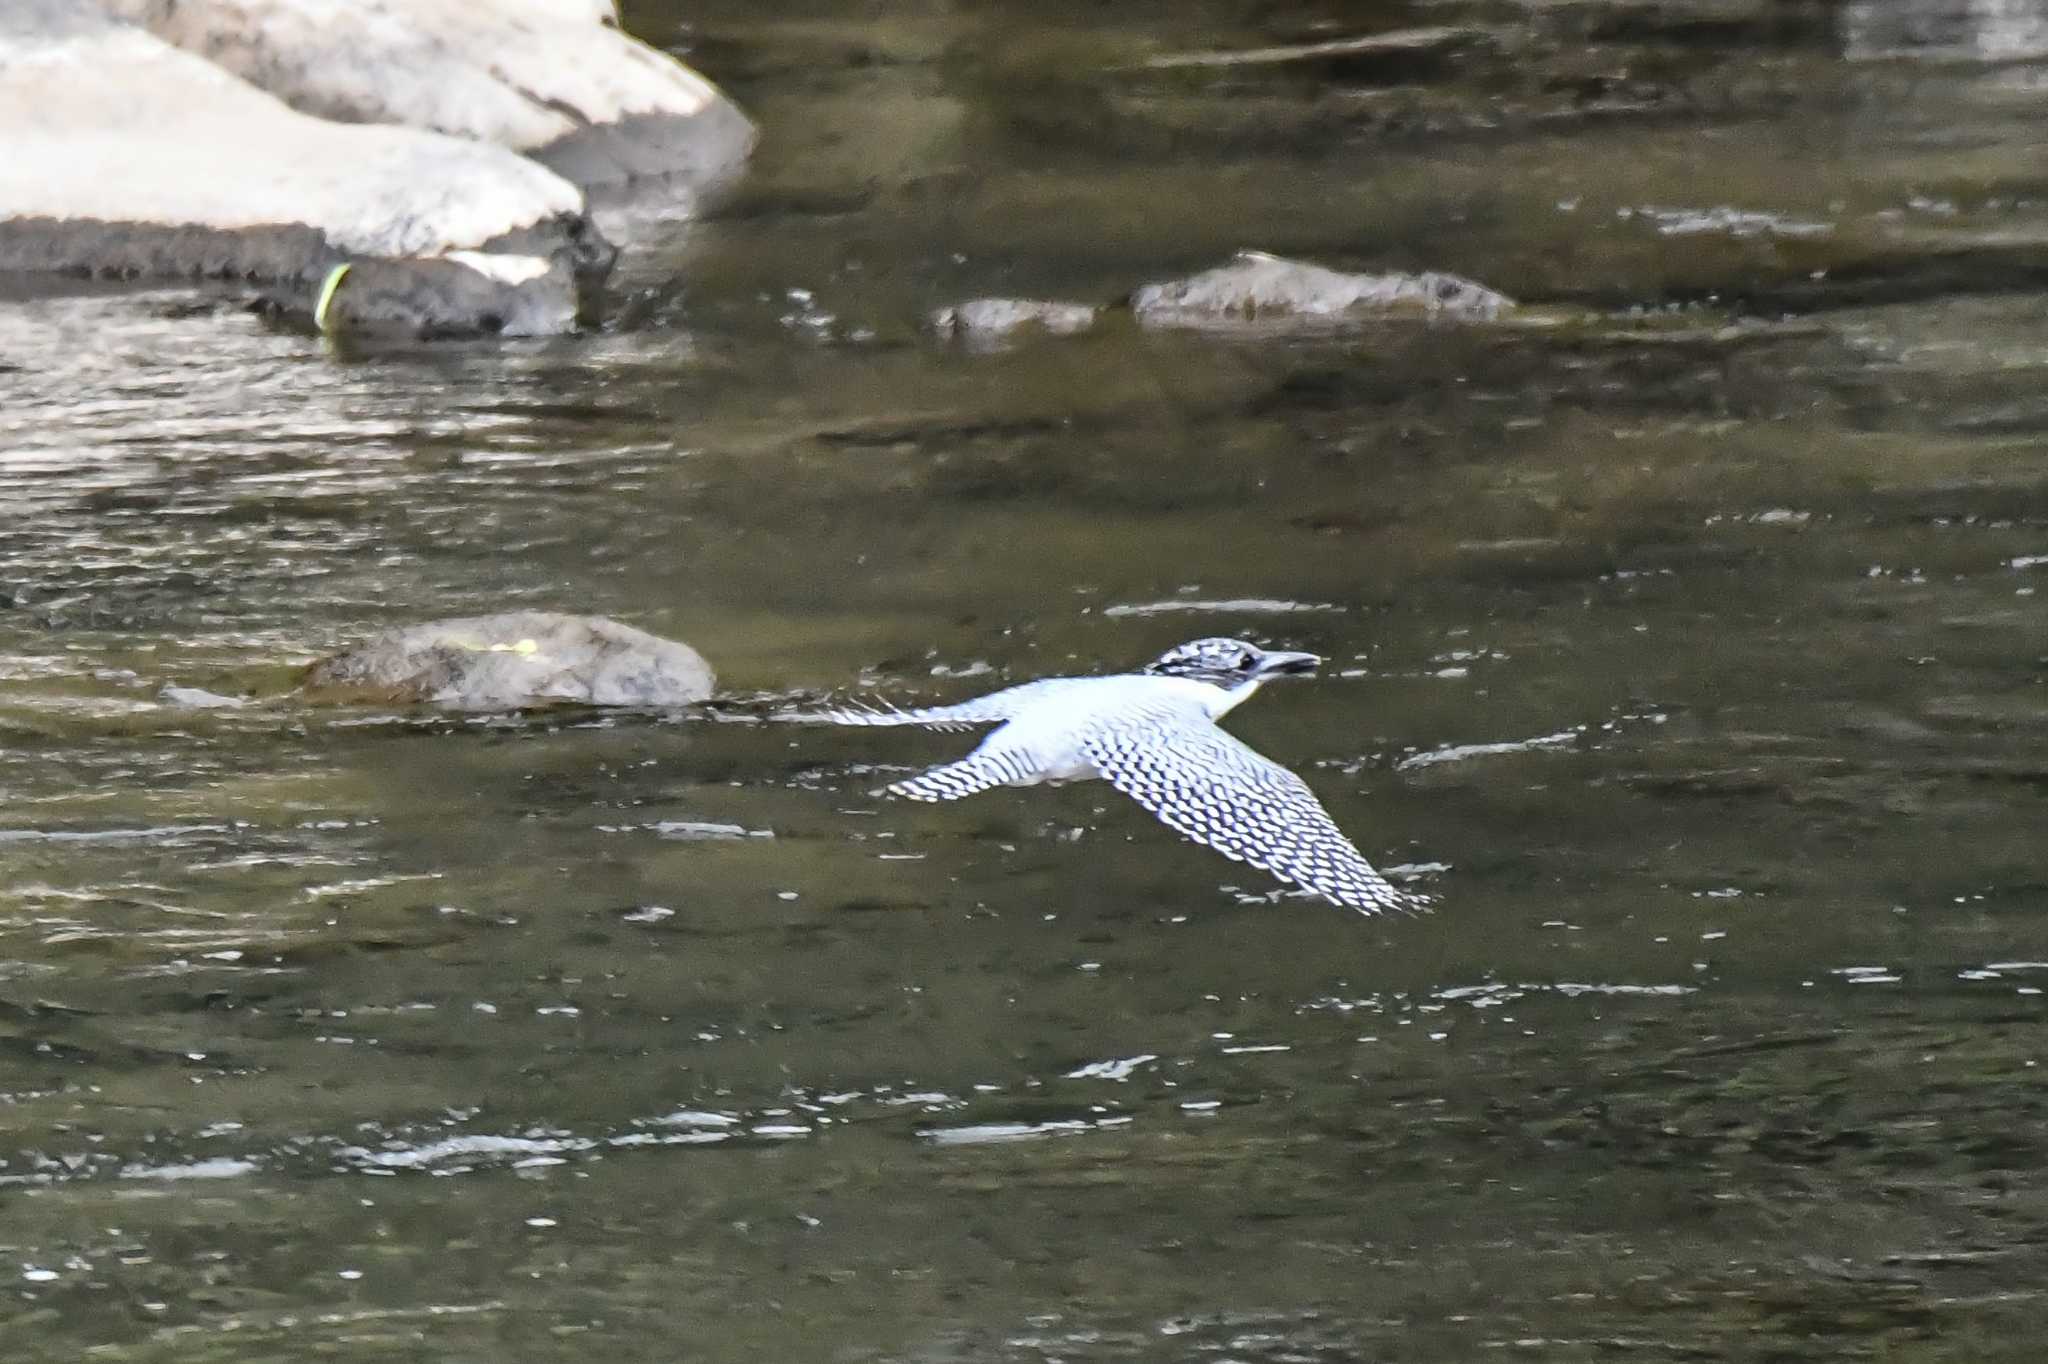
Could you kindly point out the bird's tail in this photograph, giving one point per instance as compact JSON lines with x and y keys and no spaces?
{"x":856,"y":712}
{"x":864,"y":712}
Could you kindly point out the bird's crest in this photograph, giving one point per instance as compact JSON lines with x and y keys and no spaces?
{"x":1214,"y":659}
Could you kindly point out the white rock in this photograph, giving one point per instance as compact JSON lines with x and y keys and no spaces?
{"x":108,"y":123}
{"x":524,"y":74}
{"x":999,"y":318}
{"x":502,"y":267}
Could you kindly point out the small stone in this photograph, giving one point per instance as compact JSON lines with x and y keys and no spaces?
{"x":996,"y":319}
{"x":197,"y":698}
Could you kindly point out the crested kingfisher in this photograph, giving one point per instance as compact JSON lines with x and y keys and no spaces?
{"x":1152,"y":734}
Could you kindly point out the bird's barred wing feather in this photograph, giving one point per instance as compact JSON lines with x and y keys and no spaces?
{"x":978,"y":771}
{"x":1210,"y":787}
{"x":982,"y":710}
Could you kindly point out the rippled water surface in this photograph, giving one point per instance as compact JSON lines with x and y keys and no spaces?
{"x":1687,"y":646}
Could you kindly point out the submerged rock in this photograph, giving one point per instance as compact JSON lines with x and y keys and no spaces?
{"x":461,"y":293}
{"x":1257,"y":287}
{"x":1254,"y":288}
{"x":994,"y":319}
{"x":515,"y":660}
{"x":1336,"y":56}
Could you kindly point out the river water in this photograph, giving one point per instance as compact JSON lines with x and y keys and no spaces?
{"x":1690,"y":651}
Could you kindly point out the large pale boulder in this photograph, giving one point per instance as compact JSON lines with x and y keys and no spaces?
{"x":554,"y":79}
{"x":515,"y":660}
{"x":125,"y":156}
{"x":376,"y":165}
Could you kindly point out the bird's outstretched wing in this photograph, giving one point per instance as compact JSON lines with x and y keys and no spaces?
{"x":1210,"y":787}
{"x":992,"y":709}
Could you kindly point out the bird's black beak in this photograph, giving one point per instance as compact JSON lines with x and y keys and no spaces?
{"x":1278,"y":663}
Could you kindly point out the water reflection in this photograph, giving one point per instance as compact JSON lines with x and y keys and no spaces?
{"x":1685,"y":645}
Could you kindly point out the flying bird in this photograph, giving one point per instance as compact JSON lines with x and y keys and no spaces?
{"x":1152,"y":734}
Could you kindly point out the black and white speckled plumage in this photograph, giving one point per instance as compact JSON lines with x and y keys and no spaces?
{"x":1214,"y":788}
{"x":1153,"y":736}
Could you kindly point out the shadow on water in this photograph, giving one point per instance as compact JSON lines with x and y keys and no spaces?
{"x":1690,"y":650}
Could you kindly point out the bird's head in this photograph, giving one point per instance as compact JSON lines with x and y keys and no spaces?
{"x":1228,"y":663}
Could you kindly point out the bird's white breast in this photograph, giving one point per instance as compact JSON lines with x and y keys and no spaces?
{"x":1050,"y":732}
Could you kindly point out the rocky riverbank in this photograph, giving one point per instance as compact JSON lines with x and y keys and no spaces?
{"x":421,"y":168}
